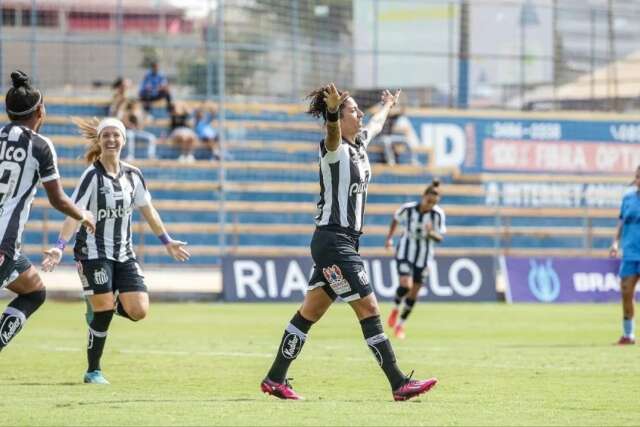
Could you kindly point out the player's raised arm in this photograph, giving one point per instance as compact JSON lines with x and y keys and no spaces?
{"x":375,"y":125}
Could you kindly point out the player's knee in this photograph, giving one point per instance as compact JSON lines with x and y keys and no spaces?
{"x":137,"y":313}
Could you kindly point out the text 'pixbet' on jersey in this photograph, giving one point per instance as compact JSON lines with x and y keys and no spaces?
{"x":358,"y":188}
{"x":113,"y":213}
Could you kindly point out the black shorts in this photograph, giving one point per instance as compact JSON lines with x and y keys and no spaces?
{"x":10,"y":269}
{"x":101,"y":276}
{"x":338,"y":267}
{"x":406,"y":268}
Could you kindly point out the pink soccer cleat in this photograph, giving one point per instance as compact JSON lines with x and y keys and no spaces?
{"x":399,"y":332}
{"x":413,"y":388}
{"x":279,"y":390}
{"x":626,"y":341}
{"x":393,"y":318}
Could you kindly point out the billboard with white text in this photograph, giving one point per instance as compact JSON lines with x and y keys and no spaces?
{"x":285,"y":278}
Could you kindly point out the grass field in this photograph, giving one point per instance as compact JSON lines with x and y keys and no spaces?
{"x":197,"y":364}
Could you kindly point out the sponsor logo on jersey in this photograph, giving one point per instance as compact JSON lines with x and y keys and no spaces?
{"x":336,"y":280}
{"x":100,"y":277}
{"x":11,"y":153}
{"x":113,"y":213}
{"x":358,"y":188}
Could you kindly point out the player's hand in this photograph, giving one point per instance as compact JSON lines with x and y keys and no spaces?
{"x":52,"y":258}
{"x":613,"y":250}
{"x":89,"y":221}
{"x":333,"y":99}
{"x":388,"y":244}
{"x":390,"y":98}
{"x":176,"y":249}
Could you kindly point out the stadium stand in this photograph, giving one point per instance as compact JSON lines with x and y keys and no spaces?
{"x":270,"y":192}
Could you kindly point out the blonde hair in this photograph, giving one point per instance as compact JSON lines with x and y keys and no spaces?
{"x":88,"y":128}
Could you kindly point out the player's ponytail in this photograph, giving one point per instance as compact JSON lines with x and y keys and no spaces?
{"x":88,"y":129}
{"x":433,"y":188}
{"x":22,"y":99}
{"x":317,"y":106}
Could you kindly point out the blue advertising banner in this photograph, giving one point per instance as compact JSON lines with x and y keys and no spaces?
{"x":487,"y":143}
{"x":286,"y":278}
{"x":561,"y":280}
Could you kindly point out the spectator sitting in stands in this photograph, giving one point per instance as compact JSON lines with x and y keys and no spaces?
{"x":135,"y":120}
{"x":155,"y":86}
{"x":398,"y":131}
{"x":207,"y":134}
{"x":180,"y":132}
{"x":120,"y":95}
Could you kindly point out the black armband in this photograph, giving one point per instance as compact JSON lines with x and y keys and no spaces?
{"x":333,"y":116}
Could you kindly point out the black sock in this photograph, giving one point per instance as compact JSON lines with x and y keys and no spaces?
{"x":400,"y":293}
{"x":16,"y":314}
{"x":292,"y":341}
{"x":408,"y":306}
{"x":382,"y":350}
{"x":97,"y":338}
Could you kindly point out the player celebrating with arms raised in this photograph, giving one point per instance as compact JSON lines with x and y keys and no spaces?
{"x":339,"y":272}
{"x":107,"y":265}
{"x":26,"y":158}
{"x":424,"y":224}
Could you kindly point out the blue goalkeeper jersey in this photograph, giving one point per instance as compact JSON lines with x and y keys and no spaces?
{"x":630,"y":216}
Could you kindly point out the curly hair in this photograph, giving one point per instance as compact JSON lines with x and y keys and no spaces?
{"x":317,"y":106}
{"x":88,"y":129}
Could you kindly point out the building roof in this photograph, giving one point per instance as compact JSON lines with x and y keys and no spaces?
{"x":597,"y":85}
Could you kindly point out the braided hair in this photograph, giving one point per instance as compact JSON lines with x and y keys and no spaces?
{"x":22,"y":99}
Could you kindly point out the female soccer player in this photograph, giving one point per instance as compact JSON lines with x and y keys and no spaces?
{"x":26,"y":158}
{"x":339,"y":271}
{"x":110,"y":274}
{"x":423,"y":224}
{"x":629,"y":232}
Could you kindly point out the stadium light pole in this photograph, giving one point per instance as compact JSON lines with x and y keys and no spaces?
{"x":221,"y":122}
{"x":34,"y":45}
{"x":295,"y":37}
{"x":463,"y":57}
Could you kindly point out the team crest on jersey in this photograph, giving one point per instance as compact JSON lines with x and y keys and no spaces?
{"x":336,"y":280}
{"x":364,"y":279}
{"x":100,"y":277}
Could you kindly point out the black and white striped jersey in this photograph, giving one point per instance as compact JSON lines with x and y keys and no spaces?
{"x":26,"y":158}
{"x":414,"y":246}
{"x":344,"y":178}
{"x":111,"y":200}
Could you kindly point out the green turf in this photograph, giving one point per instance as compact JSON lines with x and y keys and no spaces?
{"x":197,"y":364}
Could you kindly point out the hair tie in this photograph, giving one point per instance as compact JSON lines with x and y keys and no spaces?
{"x":30,"y":110}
